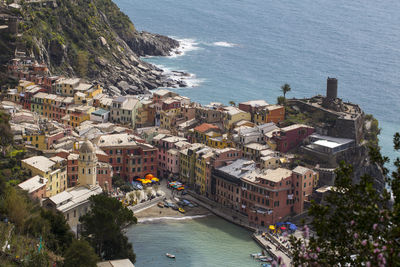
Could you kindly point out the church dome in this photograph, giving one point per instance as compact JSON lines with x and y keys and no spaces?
{"x":87,"y":147}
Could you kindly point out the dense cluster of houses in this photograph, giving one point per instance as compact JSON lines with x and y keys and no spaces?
{"x":234,"y":155}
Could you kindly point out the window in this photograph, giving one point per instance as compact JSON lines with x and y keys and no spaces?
{"x":89,"y":171}
{"x":110,"y":160}
{"x":83,"y":170}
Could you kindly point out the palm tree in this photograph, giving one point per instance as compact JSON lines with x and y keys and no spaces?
{"x":232,"y":103}
{"x":285,"y":88}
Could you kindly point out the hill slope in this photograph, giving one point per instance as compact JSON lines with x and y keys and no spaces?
{"x":94,"y":39}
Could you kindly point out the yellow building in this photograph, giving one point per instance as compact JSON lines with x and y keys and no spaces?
{"x":53,"y":169}
{"x":220,"y":142}
{"x":76,"y":115}
{"x":187,"y":160}
{"x":203,"y":156}
{"x":167,"y":118}
{"x":37,"y":140}
{"x":95,"y":90}
{"x":22,"y":85}
{"x":234,"y":115}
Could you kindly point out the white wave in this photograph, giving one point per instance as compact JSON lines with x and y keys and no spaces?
{"x":185,"y":45}
{"x":224,"y":44}
{"x":190,"y":79}
{"x":149,"y":220}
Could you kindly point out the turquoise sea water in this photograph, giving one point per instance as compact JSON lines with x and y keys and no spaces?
{"x":206,"y":242}
{"x":246,"y":49}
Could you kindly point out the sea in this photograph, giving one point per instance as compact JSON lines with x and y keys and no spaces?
{"x":202,"y":242}
{"x":246,"y":49}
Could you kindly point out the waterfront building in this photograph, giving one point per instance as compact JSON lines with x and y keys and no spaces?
{"x":291,"y":136}
{"x":304,"y":180}
{"x":128,"y":155}
{"x":202,"y":159}
{"x":227,"y":182}
{"x":53,"y":169}
{"x":187,"y":161}
{"x":168,"y":154}
{"x":267,"y":196}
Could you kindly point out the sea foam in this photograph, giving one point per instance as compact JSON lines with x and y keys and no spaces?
{"x":224,"y":44}
{"x":185,"y":45}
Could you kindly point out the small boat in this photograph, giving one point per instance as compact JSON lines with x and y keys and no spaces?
{"x":170,"y":256}
{"x":181,"y":210}
{"x":266,"y":265}
{"x":256,"y":255}
{"x":160,"y":204}
{"x":267,"y":259}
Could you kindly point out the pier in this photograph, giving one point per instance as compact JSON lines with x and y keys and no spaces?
{"x":272,"y":249}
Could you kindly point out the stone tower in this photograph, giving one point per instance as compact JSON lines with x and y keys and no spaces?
{"x":87,"y":163}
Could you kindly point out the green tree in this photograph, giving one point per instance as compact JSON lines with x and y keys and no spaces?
{"x":16,"y":206}
{"x":102,"y":228}
{"x":6,"y":137}
{"x":59,"y":236}
{"x":232,"y":103}
{"x":285,"y":89}
{"x":357,"y":226}
{"x":281,"y":100}
{"x":80,"y":253}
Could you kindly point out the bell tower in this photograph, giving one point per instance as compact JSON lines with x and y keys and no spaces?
{"x":87,"y":163}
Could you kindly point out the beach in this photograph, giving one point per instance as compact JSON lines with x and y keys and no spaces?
{"x":155,"y":212}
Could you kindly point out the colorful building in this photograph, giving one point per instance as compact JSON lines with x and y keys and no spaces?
{"x":54,"y":170}
{"x":129,"y":157}
{"x":290,"y":137}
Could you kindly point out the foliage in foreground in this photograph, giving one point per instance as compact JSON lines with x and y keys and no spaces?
{"x":357,"y":226}
{"x":103,"y":225}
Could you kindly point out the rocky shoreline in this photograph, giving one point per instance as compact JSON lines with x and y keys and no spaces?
{"x":135,"y":76}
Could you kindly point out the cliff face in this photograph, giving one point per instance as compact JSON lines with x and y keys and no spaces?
{"x":94,"y":40}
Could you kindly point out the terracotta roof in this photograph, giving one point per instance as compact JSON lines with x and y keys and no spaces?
{"x":205,"y":127}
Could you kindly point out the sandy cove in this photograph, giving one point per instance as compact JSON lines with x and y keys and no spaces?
{"x":156,"y":213}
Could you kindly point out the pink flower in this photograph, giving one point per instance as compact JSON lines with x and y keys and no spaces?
{"x":318,"y":249}
{"x":384,"y":248}
{"x":364,"y":242}
{"x":355,"y":235}
{"x":367,"y":264}
{"x":376,"y":250}
{"x":375,"y":226}
{"x":352,"y":222}
{"x":376,"y":244}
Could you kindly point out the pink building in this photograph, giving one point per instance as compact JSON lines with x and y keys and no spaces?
{"x":36,"y":187}
{"x":168,"y":154}
{"x":227,"y":182}
{"x":267,"y":196}
{"x":290,"y":137}
{"x":304,"y":180}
